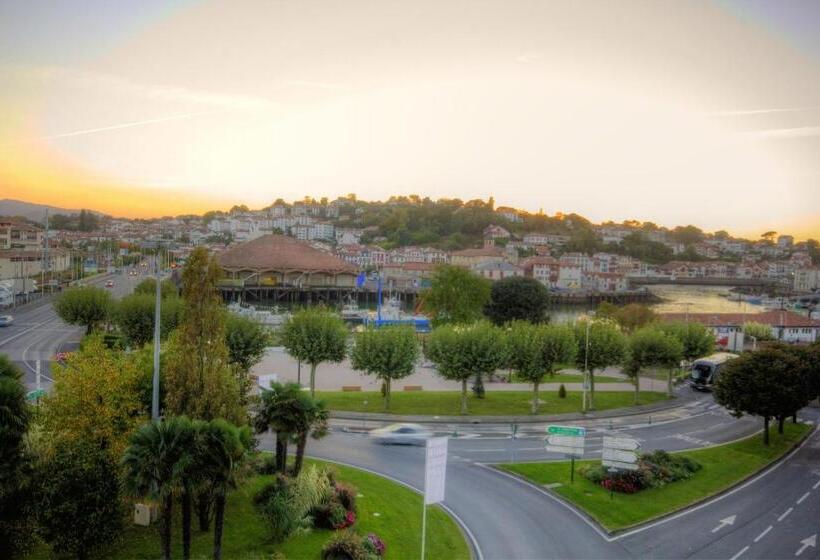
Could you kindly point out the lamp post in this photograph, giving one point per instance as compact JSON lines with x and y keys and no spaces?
{"x":586,"y":362}
{"x":155,"y":385}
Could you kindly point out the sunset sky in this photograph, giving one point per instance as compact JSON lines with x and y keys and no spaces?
{"x":701,"y":112}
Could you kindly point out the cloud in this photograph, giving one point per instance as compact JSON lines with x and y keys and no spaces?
{"x":742,"y":112}
{"x":119,"y":126}
{"x":316,"y":85}
{"x":784,"y":133}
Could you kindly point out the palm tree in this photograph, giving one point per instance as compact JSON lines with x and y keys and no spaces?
{"x":277,"y":411}
{"x":310,"y":419}
{"x":14,"y":419}
{"x":189,"y":481}
{"x":222,"y":446}
{"x":154,"y":463}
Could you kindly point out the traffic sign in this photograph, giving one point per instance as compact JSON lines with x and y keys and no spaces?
{"x":571,"y":431}
{"x":566,"y":440}
{"x":435,"y":470}
{"x":35,"y":395}
{"x":609,"y":454}
{"x":627,"y":444}
{"x":620,"y":465}
{"x":566,"y":450}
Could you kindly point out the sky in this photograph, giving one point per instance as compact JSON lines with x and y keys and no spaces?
{"x":704,"y":112}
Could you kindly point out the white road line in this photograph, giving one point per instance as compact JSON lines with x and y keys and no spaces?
{"x":816,"y":484}
{"x":784,"y":514}
{"x":742,"y":550}
{"x":763,"y":534}
{"x":803,"y":497}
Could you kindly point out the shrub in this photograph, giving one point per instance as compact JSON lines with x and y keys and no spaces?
{"x":562,"y":392}
{"x":266,"y":464}
{"x":346,"y":495}
{"x":345,"y":545}
{"x":329,"y":515}
{"x":655,"y":469}
{"x":374,"y":545}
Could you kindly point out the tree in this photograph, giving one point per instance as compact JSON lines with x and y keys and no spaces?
{"x":310,"y":417}
{"x":275,"y":412}
{"x":650,"y":347}
{"x":759,"y":331}
{"x":246,"y":340}
{"x":134,"y":315}
{"x":517,"y":298}
{"x":769,"y":236}
{"x":697,"y":340}
{"x":148,"y":287}
{"x":84,"y":305}
{"x":151,"y":463}
{"x":79,"y":504}
{"x":634,"y":316}
{"x":455,"y":295}
{"x":199,"y":382}
{"x":536,"y":350}
{"x":601,"y":344}
{"x":388,"y":353}
{"x":95,"y":397}
{"x":16,"y":519}
{"x":461,"y":352}
{"x":760,"y":383}
{"x":315,"y":336}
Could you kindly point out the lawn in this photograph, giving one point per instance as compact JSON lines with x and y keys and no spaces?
{"x":571,"y":378}
{"x":723,"y":467}
{"x":391,"y":511}
{"x":496,"y":403}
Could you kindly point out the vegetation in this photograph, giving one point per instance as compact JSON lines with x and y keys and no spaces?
{"x":536,"y":350}
{"x":760,"y":331}
{"x":462,"y":352}
{"x":633,"y":316}
{"x":388,"y":353}
{"x":651,"y":347}
{"x":148,"y":287}
{"x":517,"y":298}
{"x":723,"y":466}
{"x":134,"y":316}
{"x":315,"y":336}
{"x":246,"y":340}
{"x":655,"y":470}
{"x":600,"y":344}
{"x":697,"y":341}
{"x":87,"y":306}
{"x":455,"y":295}
{"x":498,"y":403}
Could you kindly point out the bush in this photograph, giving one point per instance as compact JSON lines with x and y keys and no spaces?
{"x":266,"y":464}
{"x":655,"y":469}
{"x":289,"y":504}
{"x":562,"y":392}
{"x":339,"y":511}
{"x":345,"y":545}
{"x":346,"y":495}
{"x":374,"y":545}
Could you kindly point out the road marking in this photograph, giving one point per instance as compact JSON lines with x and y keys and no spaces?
{"x":763,"y":534}
{"x":742,"y":550}
{"x":18,"y":335}
{"x":816,"y":484}
{"x":784,"y":514}
{"x":803,"y":497}
{"x":724,"y":522}
{"x":809,"y":542}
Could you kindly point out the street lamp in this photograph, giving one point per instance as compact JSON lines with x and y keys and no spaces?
{"x":155,"y":388}
{"x":585,"y":384}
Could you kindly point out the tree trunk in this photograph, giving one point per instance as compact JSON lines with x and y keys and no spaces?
{"x":186,"y":525}
{"x":203,"y":509}
{"x":312,"y":380}
{"x":387,"y":394}
{"x":165,"y":530}
{"x":591,"y":394}
{"x":794,"y":418}
{"x":219,"y":522}
{"x":281,"y":452}
{"x":669,"y":383}
{"x":765,"y":430}
{"x":464,"y":396}
{"x":780,"y":421}
{"x":301,"y":443}
{"x":637,"y":386}
{"x":535,"y":397}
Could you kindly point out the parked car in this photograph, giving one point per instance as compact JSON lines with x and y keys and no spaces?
{"x":401,"y":434}
{"x":6,"y":320}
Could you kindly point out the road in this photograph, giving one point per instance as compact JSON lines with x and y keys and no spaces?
{"x":774,"y":516}
{"x":37,"y":333}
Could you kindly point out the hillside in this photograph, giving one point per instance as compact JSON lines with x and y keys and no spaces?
{"x":30,"y":210}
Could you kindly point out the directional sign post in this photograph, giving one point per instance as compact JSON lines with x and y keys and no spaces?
{"x":568,"y":440}
{"x":620,"y":453}
{"x":435,"y":471}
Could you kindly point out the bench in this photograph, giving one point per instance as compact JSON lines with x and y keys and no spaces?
{"x":351,"y":388}
{"x":412,"y":387}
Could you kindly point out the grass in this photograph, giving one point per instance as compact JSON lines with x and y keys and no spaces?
{"x":247,"y":536}
{"x":496,"y":403}
{"x":571,"y":378}
{"x":723,"y":467}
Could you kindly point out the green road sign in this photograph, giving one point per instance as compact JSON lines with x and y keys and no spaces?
{"x":571,"y":431}
{"x":32,"y":396}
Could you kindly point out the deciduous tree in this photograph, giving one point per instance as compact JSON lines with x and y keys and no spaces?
{"x":87,"y":306}
{"x":650,"y":347}
{"x":456,"y":295}
{"x":388,"y":353}
{"x":315,"y":336}
{"x":134,"y":316}
{"x":697,"y":340}
{"x":601,"y":344}
{"x":517,"y":298}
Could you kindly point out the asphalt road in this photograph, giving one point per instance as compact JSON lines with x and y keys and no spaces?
{"x":774,"y":516}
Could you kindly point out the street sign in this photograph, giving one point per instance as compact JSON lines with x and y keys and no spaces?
{"x":35,"y":395}
{"x":571,"y":431}
{"x":619,"y":455}
{"x":435,"y":470}
{"x":621,"y":443}
{"x":620,"y":465}
{"x":566,"y":440}
{"x":565,"y":450}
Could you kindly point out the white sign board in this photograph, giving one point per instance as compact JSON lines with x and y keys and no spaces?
{"x":619,"y":453}
{"x":435,"y":470}
{"x":567,"y":440}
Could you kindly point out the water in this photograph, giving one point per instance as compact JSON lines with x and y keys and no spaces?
{"x":676,"y":299}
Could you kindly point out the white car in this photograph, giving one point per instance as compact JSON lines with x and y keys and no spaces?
{"x":6,"y":320}
{"x":401,"y":434}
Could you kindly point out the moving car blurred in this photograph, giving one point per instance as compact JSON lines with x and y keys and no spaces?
{"x":109,"y":284}
{"x":6,"y":320}
{"x":401,"y":434}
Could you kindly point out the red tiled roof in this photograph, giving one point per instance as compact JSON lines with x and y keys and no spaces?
{"x":279,"y":252}
{"x":773,"y":318}
{"x":491,"y":251}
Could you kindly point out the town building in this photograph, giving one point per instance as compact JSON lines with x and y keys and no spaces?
{"x":786,"y":326}
{"x":498,"y":270}
{"x":19,"y":235}
{"x":473,"y":257}
{"x":807,"y":279}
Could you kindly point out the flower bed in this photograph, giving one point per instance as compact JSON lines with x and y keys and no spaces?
{"x":655,"y":470}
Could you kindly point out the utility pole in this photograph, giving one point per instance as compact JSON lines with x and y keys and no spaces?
{"x":155,"y":392}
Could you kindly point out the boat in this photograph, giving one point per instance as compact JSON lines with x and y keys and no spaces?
{"x":353,"y":313}
{"x":391,"y":314}
{"x":269,"y":318}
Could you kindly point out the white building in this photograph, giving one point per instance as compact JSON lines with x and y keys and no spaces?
{"x":807,"y":279}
